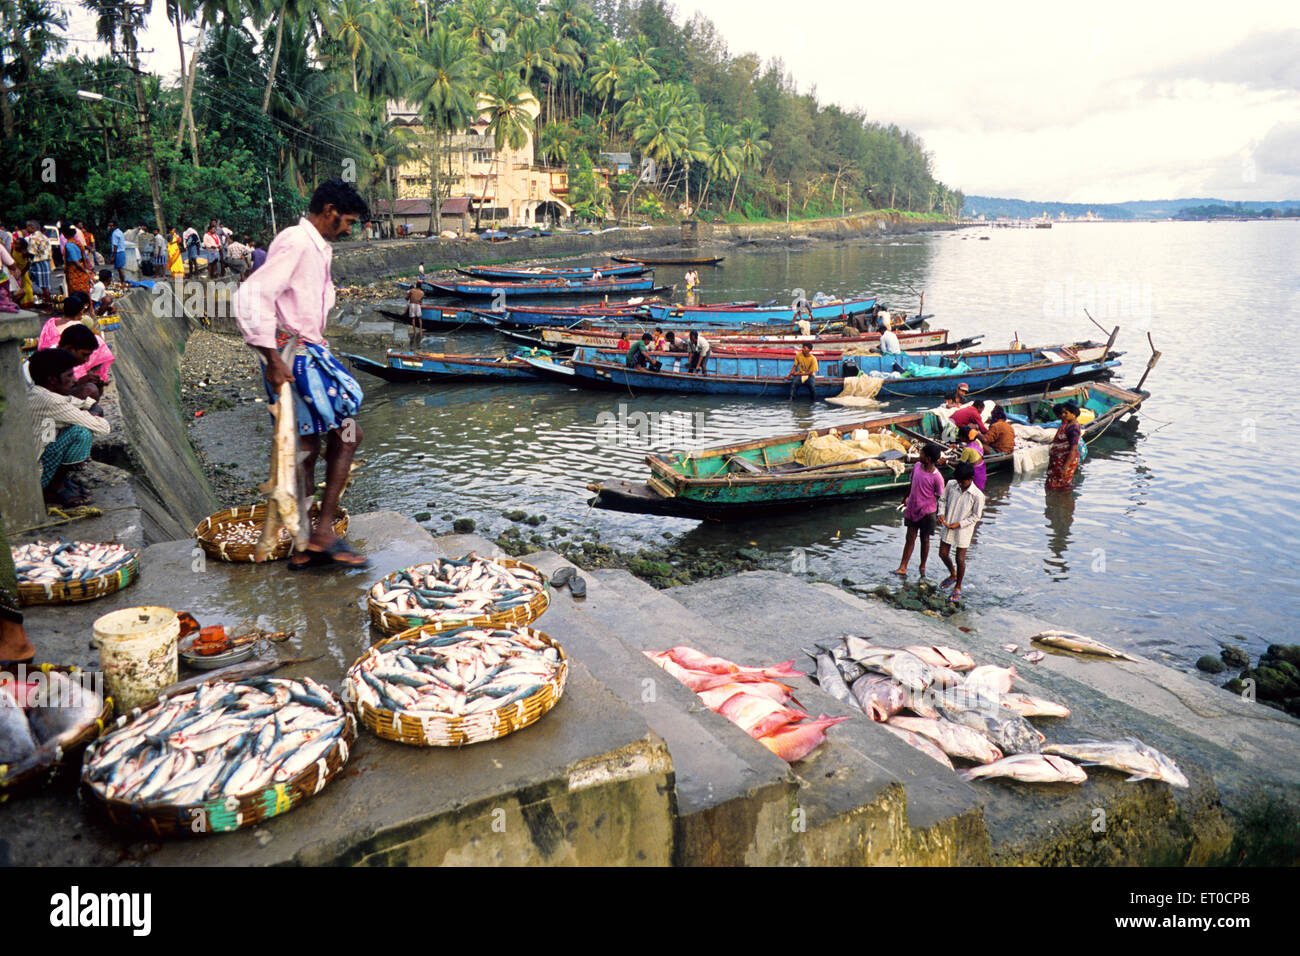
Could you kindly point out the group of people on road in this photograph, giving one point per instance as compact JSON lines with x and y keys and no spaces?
{"x":178,"y":253}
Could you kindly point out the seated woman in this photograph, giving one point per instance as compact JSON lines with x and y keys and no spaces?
{"x":1000,"y":437}
{"x":94,"y":358}
{"x":64,"y":426}
{"x":972,"y":453}
{"x":74,"y":308}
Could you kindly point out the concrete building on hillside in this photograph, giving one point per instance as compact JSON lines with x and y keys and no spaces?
{"x":505,"y":187}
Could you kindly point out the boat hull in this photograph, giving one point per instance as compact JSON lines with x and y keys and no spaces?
{"x":577,"y":272}
{"x":436,"y":367}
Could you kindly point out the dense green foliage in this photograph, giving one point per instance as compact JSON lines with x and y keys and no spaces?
{"x":1235,"y":211}
{"x":285,"y":93}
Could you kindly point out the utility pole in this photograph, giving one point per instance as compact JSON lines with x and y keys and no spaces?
{"x":787,"y":202}
{"x":151,"y":163}
{"x":271,"y":200}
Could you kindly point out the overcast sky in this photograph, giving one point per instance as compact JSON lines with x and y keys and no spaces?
{"x":1106,"y":101}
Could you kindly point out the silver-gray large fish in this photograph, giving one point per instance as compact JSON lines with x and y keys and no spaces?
{"x":923,"y":744}
{"x":828,"y":676}
{"x":62,"y":708}
{"x":904,"y":666}
{"x":880,"y":697}
{"x":956,"y":740}
{"x":1079,"y":644}
{"x":1129,"y":755}
{"x":1029,"y":768}
{"x":1005,"y":728}
{"x":16,"y":740}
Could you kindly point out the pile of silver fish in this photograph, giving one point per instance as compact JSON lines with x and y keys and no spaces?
{"x":40,"y":714}
{"x":755,"y":699}
{"x":456,"y":590}
{"x":220,"y":740}
{"x":60,"y":562}
{"x":956,"y":709}
{"x":454,"y":673}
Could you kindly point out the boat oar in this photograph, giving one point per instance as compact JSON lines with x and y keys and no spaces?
{"x":1113,"y":334}
{"x":1151,"y":363}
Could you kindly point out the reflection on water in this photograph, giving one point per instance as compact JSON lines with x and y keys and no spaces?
{"x":1173,"y":537}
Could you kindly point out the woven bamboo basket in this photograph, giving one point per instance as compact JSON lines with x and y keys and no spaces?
{"x":208,"y":533}
{"x":39,"y":777}
{"x":70,"y":592}
{"x":433,"y":730}
{"x":517,"y":616}
{"x":225,"y":814}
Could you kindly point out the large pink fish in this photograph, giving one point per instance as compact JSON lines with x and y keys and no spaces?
{"x":705,"y":680}
{"x":938,"y":656}
{"x":794,"y":742}
{"x":772,"y":690}
{"x":698,"y":661}
{"x":991,"y":677}
{"x":758,"y":716}
{"x":956,"y":740}
{"x":879,"y":696}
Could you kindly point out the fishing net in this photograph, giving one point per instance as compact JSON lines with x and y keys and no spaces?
{"x":831,"y":450}
{"x":859,"y":390}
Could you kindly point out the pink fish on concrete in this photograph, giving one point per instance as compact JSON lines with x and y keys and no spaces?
{"x":706,"y":680}
{"x":937,"y":655}
{"x":794,"y":742}
{"x":697,"y":661}
{"x":991,"y":677}
{"x":956,"y":740}
{"x":758,"y":716}
{"x":923,"y":744}
{"x":1029,"y":706}
{"x":715,"y":697}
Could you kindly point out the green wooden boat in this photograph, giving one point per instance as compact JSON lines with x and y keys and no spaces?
{"x":750,"y":479}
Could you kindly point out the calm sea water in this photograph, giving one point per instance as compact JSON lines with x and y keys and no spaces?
{"x":1176,"y":536}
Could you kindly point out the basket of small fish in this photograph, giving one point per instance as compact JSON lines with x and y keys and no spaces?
{"x":232,"y":534}
{"x":436,"y":688}
{"x":48,"y":715}
{"x":224,"y":756}
{"x":450,"y":592}
{"x":62,"y":572}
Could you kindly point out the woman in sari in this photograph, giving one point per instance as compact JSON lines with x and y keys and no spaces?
{"x":174,"y":264}
{"x":22,"y":267}
{"x":76,"y":264}
{"x":1063,"y":458}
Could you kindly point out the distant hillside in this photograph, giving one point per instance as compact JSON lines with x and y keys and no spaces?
{"x":994,"y":208}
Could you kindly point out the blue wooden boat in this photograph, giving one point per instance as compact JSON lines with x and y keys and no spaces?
{"x":436,"y":318}
{"x":739,"y":374}
{"x":442,"y":367}
{"x":547,"y":287}
{"x":839,"y":309}
{"x":540,"y":273}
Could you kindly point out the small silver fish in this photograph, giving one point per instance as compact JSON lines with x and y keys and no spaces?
{"x":1029,"y":768}
{"x":1129,"y":755}
{"x":1079,"y":644}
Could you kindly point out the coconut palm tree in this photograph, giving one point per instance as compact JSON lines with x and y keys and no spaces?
{"x":480,"y":23}
{"x":506,"y":104}
{"x":442,"y":81}
{"x":28,"y":33}
{"x":607,"y":70}
{"x":353,"y":26}
{"x":722,"y":156}
{"x":553,"y":143}
{"x":561,"y":51}
{"x":387,"y":148}
{"x":752,"y":147}
{"x":658,"y":129}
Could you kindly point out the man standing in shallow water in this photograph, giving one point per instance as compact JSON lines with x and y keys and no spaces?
{"x":289,"y":297}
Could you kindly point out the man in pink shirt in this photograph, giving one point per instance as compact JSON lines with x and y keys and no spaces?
{"x":289,"y":298}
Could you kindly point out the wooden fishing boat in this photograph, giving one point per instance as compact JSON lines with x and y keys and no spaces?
{"x":838,"y":309}
{"x":540,"y":273}
{"x":761,"y":376}
{"x":442,"y":367}
{"x":751,"y":479}
{"x":477,"y":288}
{"x":568,"y":339}
{"x":671,"y":260}
{"x":435,"y":318}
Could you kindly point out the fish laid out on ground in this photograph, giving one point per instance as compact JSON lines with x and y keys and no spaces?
{"x":1034,"y":656}
{"x":991,"y":677}
{"x":1027,"y":705}
{"x":456,"y":590}
{"x":1130,"y":756}
{"x":61,"y":562}
{"x":755,"y":699}
{"x":17,"y":742}
{"x":454,"y":673}
{"x":938,"y":656}
{"x":878,"y":696}
{"x":1029,"y":768}
{"x":1005,"y":729}
{"x":831,"y":681}
{"x":956,"y":740}
{"x":223,"y":739}
{"x":903,"y":666}
{"x":923,"y":744}
{"x":1066,"y":641}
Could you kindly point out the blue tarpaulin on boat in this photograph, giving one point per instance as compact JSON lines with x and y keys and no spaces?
{"x":931,"y":371}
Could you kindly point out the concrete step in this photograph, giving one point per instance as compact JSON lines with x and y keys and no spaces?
{"x":1218,"y":741}
{"x":590,"y":783}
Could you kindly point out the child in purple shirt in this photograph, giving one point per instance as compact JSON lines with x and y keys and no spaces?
{"x":921,"y":504}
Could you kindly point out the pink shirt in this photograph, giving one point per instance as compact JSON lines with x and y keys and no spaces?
{"x":923,"y":498}
{"x":99,"y":360}
{"x":290,"y":291}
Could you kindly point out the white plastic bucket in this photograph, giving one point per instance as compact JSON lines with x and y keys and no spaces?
{"x":137,"y":652}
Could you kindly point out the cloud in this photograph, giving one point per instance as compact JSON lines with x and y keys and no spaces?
{"x":1265,"y":60}
{"x":1279,"y":150}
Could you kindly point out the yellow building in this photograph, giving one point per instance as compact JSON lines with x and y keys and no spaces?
{"x":505,"y":187}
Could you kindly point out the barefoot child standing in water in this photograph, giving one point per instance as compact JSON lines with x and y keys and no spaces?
{"x":960,"y":511}
{"x":921,"y":503}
